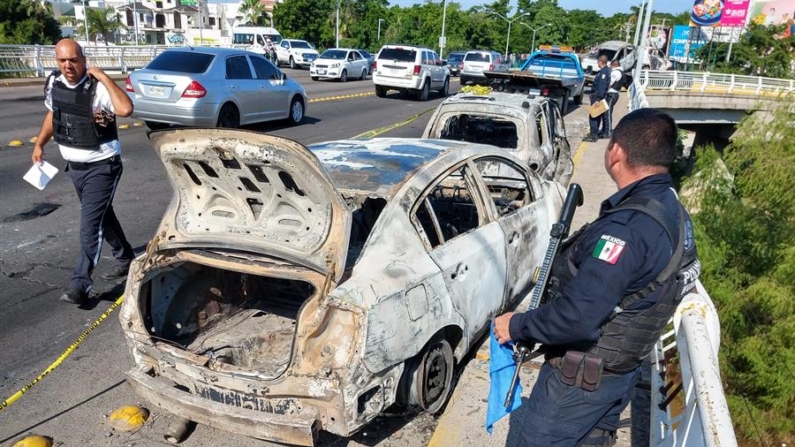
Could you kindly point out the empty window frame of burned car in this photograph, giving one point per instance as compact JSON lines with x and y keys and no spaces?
{"x":507,"y":186}
{"x":483,"y":129}
{"x":450,"y":208}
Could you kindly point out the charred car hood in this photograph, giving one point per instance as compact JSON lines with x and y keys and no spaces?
{"x":248,"y":191}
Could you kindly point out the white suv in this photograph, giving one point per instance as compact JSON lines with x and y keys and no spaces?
{"x":295,"y":53}
{"x":410,"y":69}
{"x":476,"y":62}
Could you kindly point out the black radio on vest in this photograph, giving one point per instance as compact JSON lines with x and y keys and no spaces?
{"x":73,"y":122}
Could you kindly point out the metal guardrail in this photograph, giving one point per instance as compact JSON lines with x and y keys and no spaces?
{"x":705,"y":82}
{"x":38,"y":60}
{"x":689,"y":406}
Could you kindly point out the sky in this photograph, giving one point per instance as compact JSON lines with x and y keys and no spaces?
{"x":605,"y":7}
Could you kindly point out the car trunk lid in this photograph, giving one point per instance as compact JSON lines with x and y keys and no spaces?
{"x":248,"y":191}
{"x":160,"y":86}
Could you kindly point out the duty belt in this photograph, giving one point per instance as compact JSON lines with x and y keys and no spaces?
{"x":80,"y":166}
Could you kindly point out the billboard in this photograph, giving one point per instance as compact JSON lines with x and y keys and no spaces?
{"x":719,"y":12}
{"x":684,"y":43}
{"x":772,"y":12}
{"x":192,"y":3}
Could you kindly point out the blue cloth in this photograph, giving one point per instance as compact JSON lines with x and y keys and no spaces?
{"x":501,"y":368}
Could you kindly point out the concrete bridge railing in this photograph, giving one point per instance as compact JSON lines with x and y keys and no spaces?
{"x":705,"y":82}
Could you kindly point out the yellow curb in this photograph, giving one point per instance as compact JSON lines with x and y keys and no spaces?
{"x":578,"y":156}
{"x":124,"y":126}
{"x":128,"y":418}
{"x":33,"y":139}
{"x":16,"y":143}
{"x":34,"y":441}
{"x":138,"y":124}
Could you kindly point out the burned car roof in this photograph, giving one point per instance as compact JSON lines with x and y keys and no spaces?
{"x":378,"y":165}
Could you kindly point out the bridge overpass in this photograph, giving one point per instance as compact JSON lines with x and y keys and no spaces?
{"x":710,"y":104}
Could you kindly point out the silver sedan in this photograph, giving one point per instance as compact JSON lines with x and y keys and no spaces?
{"x":213,"y":87}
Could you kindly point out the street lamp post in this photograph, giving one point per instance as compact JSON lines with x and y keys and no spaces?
{"x":510,"y":22}
{"x":533,"y":46}
{"x":644,"y":37}
{"x":443,"y":38}
{"x":379,"y":28}
{"x":337,"y":27}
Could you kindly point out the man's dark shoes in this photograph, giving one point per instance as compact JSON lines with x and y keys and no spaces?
{"x":603,"y":136}
{"x":73,"y":296}
{"x":591,"y":138}
{"x":120,"y":271}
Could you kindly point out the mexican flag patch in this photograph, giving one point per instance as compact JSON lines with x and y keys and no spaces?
{"x":609,"y":249}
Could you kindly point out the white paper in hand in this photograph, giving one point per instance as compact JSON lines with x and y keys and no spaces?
{"x":40,"y":175}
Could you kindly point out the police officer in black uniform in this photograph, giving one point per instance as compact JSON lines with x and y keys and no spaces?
{"x":83,"y":104}
{"x":599,"y":87}
{"x":613,"y":288}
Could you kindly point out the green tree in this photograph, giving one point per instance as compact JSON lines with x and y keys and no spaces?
{"x":100,"y":21}
{"x":28,"y":22}
{"x":760,"y":51}
{"x":253,"y":12}
{"x":306,"y":19}
{"x":746,"y":243}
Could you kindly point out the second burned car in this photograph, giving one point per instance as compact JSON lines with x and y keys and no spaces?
{"x":290,"y":290}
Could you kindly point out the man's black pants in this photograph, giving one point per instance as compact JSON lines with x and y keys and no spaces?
{"x":95,"y":184}
{"x":612,"y":99}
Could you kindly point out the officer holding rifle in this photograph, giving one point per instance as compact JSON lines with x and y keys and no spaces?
{"x":612,"y":288}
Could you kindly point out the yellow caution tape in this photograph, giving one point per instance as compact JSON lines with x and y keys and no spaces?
{"x":4,"y":404}
{"x":380,"y":130}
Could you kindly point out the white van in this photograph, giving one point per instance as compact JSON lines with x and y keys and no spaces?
{"x":252,"y":38}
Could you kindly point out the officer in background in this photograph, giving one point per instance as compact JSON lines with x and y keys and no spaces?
{"x":83,"y":104}
{"x":613,"y":288}
{"x":599,"y":87}
{"x":617,"y":80}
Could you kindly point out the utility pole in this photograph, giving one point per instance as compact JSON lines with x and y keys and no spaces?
{"x":379,"y":28}
{"x":201,"y":23}
{"x":85,"y":21}
{"x":644,"y":39}
{"x":135,"y":22}
{"x":443,"y":38}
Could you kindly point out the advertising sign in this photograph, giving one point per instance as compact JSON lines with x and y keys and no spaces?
{"x":719,"y":12}
{"x":192,"y":3}
{"x":685,"y":42}
{"x":772,"y":12}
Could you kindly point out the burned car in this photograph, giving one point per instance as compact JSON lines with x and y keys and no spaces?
{"x":290,"y":290}
{"x":527,"y":126}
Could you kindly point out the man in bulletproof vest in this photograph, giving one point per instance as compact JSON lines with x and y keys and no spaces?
{"x":613,"y":287}
{"x":617,"y":80}
{"x":82,"y":107}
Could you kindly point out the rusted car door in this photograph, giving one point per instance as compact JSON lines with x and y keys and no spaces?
{"x":523,"y":214}
{"x":467,"y":247}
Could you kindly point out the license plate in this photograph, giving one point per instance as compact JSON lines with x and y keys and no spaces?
{"x":157,"y":91}
{"x":396,"y":71}
{"x":322,"y":72}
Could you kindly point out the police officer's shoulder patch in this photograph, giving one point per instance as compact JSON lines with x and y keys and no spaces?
{"x":609,"y":248}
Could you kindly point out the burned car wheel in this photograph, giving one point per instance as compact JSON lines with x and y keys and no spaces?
{"x":429,"y":377}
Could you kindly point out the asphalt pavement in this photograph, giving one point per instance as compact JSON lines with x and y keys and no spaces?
{"x":38,"y":243}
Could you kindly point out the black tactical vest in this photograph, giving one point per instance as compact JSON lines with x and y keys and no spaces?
{"x":629,"y":335}
{"x":73,"y":121}
{"x":619,"y":82}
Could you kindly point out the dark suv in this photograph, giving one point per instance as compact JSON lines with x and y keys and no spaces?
{"x":454,"y":62}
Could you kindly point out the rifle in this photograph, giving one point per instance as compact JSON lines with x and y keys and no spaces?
{"x":559,"y":231}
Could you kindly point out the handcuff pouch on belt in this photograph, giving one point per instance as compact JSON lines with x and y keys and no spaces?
{"x":581,"y":369}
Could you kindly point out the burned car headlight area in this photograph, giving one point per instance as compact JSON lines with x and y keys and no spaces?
{"x":267,"y":355}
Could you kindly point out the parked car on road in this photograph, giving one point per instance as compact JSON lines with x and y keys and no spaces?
{"x":410,"y":69}
{"x":213,"y":87}
{"x":476,"y":62}
{"x":340,"y":63}
{"x":454,"y":62}
{"x":370,"y":59}
{"x":291,"y":290}
{"x":295,"y":53}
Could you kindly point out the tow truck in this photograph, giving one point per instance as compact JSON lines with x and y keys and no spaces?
{"x":553,"y":71}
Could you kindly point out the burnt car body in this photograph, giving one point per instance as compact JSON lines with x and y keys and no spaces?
{"x":292,"y":290}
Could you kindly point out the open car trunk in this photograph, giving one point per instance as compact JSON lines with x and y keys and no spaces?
{"x":238,"y":319}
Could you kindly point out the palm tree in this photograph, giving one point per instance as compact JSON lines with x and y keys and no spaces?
{"x":253,"y":11}
{"x":103,"y":21}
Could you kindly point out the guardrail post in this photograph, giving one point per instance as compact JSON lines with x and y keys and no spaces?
{"x":704,"y":82}
{"x":37,"y":61}
{"x":676,"y":80}
{"x":122,"y":66}
{"x":731,"y":84}
{"x":759,"y":85}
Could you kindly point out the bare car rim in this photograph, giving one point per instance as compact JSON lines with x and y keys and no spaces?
{"x":435,"y":376}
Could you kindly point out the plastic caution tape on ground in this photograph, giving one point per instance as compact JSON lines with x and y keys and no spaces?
{"x":128,"y":418}
{"x":63,"y":356}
